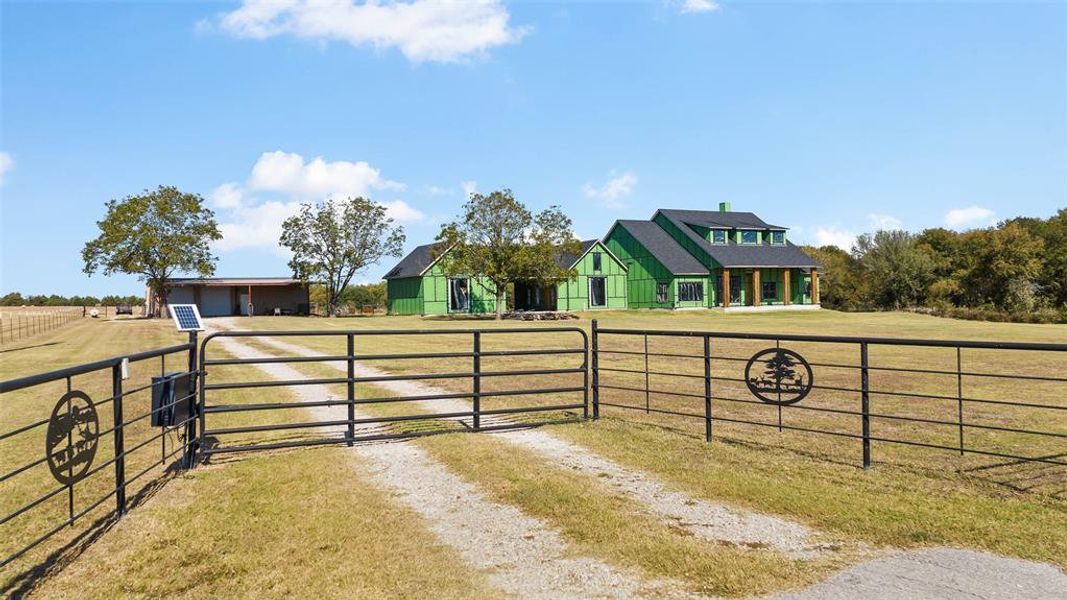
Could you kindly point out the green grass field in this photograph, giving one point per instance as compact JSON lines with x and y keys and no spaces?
{"x":283,"y":522}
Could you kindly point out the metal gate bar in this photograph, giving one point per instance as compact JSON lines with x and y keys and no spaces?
{"x":476,"y":375}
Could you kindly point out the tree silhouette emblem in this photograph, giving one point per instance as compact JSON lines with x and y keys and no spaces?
{"x":778,"y":376}
{"x":70,"y":443}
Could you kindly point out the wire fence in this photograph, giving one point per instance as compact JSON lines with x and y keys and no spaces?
{"x":79,"y":446}
{"x":999,"y":401}
{"x":22,"y":322}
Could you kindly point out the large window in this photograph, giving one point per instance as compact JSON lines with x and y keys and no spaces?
{"x":770,"y":290}
{"x":778,"y":237}
{"x":598,"y":260}
{"x":459,"y":295}
{"x":718,"y":236}
{"x":690,"y":291}
{"x":598,"y":291}
{"x":661,"y":292}
{"x":749,"y":236}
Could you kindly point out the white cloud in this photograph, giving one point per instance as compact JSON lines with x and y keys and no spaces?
{"x":227,"y":195}
{"x":249,"y":221}
{"x":256,"y":226}
{"x":697,"y":6}
{"x":469,"y":187}
{"x":612,"y":192}
{"x":971,"y":216}
{"x":884,"y":222}
{"x":401,"y":211}
{"x":287,"y":172}
{"x":832,"y":236}
{"x":423,"y":30}
{"x":6,"y":164}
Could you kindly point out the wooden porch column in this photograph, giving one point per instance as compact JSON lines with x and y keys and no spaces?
{"x":250,"y":300}
{"x":814,"y":286}
{"x":785,"y":282}
{"x":726,"y":288}
{"x":757,"y":289}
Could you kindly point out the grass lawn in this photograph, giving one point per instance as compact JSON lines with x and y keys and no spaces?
{"x":298,"y":523}
{"x":913,"y":497}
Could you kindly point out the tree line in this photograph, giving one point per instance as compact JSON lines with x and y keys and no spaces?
{"x":17,"y":299}
{"x":1016,"y":270}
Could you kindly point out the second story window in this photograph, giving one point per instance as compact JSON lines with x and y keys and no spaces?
{"x":749,"y":236}
{"x":778,"y":237}
{"x":718,"y":236}
{"x":597,"y":261}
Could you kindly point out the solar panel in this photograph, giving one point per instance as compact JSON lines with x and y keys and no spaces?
{"x":186,"y":317}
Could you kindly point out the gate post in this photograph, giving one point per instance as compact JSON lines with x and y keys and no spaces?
{"x":707,"y":387}
{"x":865,"y":405}
{"x":596,"y":372}
{"x":476,"y":395}
{"x":351,"y":433}
{"x":194,"y":404}
{"x":120,"y":447}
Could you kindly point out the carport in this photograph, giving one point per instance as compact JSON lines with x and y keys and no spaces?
{"x":232,"y":296}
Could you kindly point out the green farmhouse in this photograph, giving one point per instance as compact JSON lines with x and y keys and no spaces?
{"x":677,"y":259}
{"x":417,"y":285}
{"x":708,"y":259}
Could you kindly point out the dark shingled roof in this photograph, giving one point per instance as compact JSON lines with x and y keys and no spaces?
{"x":414,"y":263}
{"x":566,"y":261}
{"x":663,"y":247}
{"x":733,"y":254}
{"x":718,"y":219}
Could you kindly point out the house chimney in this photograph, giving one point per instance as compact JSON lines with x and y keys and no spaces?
{"x":724,"y":207}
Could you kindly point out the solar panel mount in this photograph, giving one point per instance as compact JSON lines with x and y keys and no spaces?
{"x":186,"y":317}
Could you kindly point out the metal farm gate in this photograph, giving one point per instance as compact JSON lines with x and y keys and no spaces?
{"x":486,"y":379}
{"x":102,"y":436}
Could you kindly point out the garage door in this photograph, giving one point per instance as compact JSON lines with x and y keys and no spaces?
{"x":215,"y":302}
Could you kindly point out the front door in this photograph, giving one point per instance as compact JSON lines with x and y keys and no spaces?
{"x":242,"y":303}
{"x":735,"y":291}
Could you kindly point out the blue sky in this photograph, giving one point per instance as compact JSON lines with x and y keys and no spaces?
{"x":829,"y":118}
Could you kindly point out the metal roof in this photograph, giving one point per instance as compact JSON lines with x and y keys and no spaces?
{"x":228,"y":281}
{"x":663,"y":247}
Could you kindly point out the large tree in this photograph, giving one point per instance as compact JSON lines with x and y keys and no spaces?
{"x":154,"y":235}
{"x":333,"y":240}
{"x":499,"y":240}
{"x":897,"y":268}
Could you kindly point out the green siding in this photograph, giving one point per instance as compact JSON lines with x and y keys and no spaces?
{"x":690,"y":246}
{"x":404,"y":296}
{"x":573,"y":294}
{"x":644,"y":271}
{"x":435,"y":299}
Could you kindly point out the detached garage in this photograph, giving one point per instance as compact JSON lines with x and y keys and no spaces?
{"x":231,"y":296}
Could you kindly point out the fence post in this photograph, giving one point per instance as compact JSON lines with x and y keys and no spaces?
{"x":120,"y":447}
{"x":648,"y":400}
{"x":865,"y":405}
{"x":585,"y":378}
{"x":707,"y":387}
{"x":194,"y":404}
{"x":351,"y":434}
{"x":201,"y":442}
{"x":476,"y":396}
{"x":596,"y":372}
{"x":959,"y":393}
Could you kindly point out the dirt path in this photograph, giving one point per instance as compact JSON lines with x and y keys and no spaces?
{"x":714,"y":522}
{"x":521,"y":555}
{"x":935,"y":573}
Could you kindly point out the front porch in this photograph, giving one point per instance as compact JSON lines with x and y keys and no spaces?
{"x":766,"y":289}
